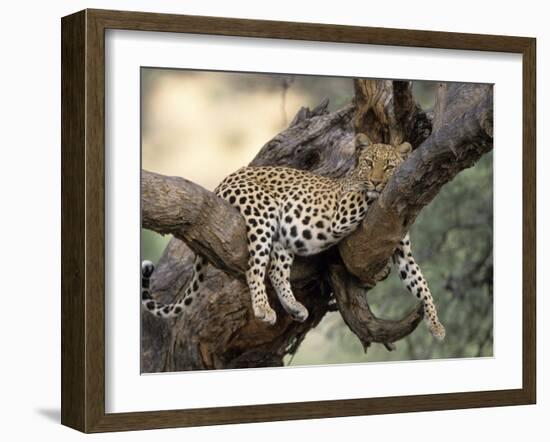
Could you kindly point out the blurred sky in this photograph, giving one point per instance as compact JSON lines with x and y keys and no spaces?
{"x":205,"y":125}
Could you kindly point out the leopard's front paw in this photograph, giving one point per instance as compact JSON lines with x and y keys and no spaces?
{"x":265,"y":314}
{"x":297,"y":311}
{"x":438,"y":331}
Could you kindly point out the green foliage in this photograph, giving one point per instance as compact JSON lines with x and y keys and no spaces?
{"x":152,"y":245}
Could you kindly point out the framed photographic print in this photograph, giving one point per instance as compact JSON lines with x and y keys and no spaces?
{"x":270,"y":220}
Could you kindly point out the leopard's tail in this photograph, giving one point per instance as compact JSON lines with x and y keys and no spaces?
{"x":174,"y":309}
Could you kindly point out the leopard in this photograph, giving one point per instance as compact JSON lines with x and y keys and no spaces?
{"x":291,"y":212}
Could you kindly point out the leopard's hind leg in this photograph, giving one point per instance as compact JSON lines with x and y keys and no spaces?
{"x":279,"y":273}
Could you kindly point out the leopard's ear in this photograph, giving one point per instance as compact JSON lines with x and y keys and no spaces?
{"x":404,"y":149}
{"x":362,"y":140}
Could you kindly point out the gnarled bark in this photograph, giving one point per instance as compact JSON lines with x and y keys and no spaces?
{"x":220,"y":331}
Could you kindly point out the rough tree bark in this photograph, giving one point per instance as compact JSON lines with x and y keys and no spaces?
{"x":220,"y":331}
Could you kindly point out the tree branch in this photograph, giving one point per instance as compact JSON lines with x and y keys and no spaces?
{"x":387,"y":112}
{"x":206,"y":223}
{"x":353,"y":305}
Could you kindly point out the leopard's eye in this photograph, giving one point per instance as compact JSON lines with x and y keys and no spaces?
{"x":388,"y":167}
{"x":368,"y":163}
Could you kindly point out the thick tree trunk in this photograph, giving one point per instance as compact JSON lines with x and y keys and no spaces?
{"x":220,"y":331}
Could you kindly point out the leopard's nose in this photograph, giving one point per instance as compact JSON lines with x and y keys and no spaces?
{"x":376,"y":181}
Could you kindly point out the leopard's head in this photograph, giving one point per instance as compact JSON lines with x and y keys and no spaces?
{"x":377,"y":162}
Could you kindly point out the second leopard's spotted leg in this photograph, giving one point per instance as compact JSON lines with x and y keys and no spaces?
{"x":416,"y":284}
{"x":281,"y":260}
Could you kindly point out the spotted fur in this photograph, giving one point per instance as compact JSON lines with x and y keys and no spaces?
{"x":416,"y":284}
{"x":291,"y":212}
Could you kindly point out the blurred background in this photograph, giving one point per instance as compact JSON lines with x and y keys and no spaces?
{"x":452,"y":238}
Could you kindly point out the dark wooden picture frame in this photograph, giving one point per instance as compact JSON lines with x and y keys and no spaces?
{"x":83,"y":220}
